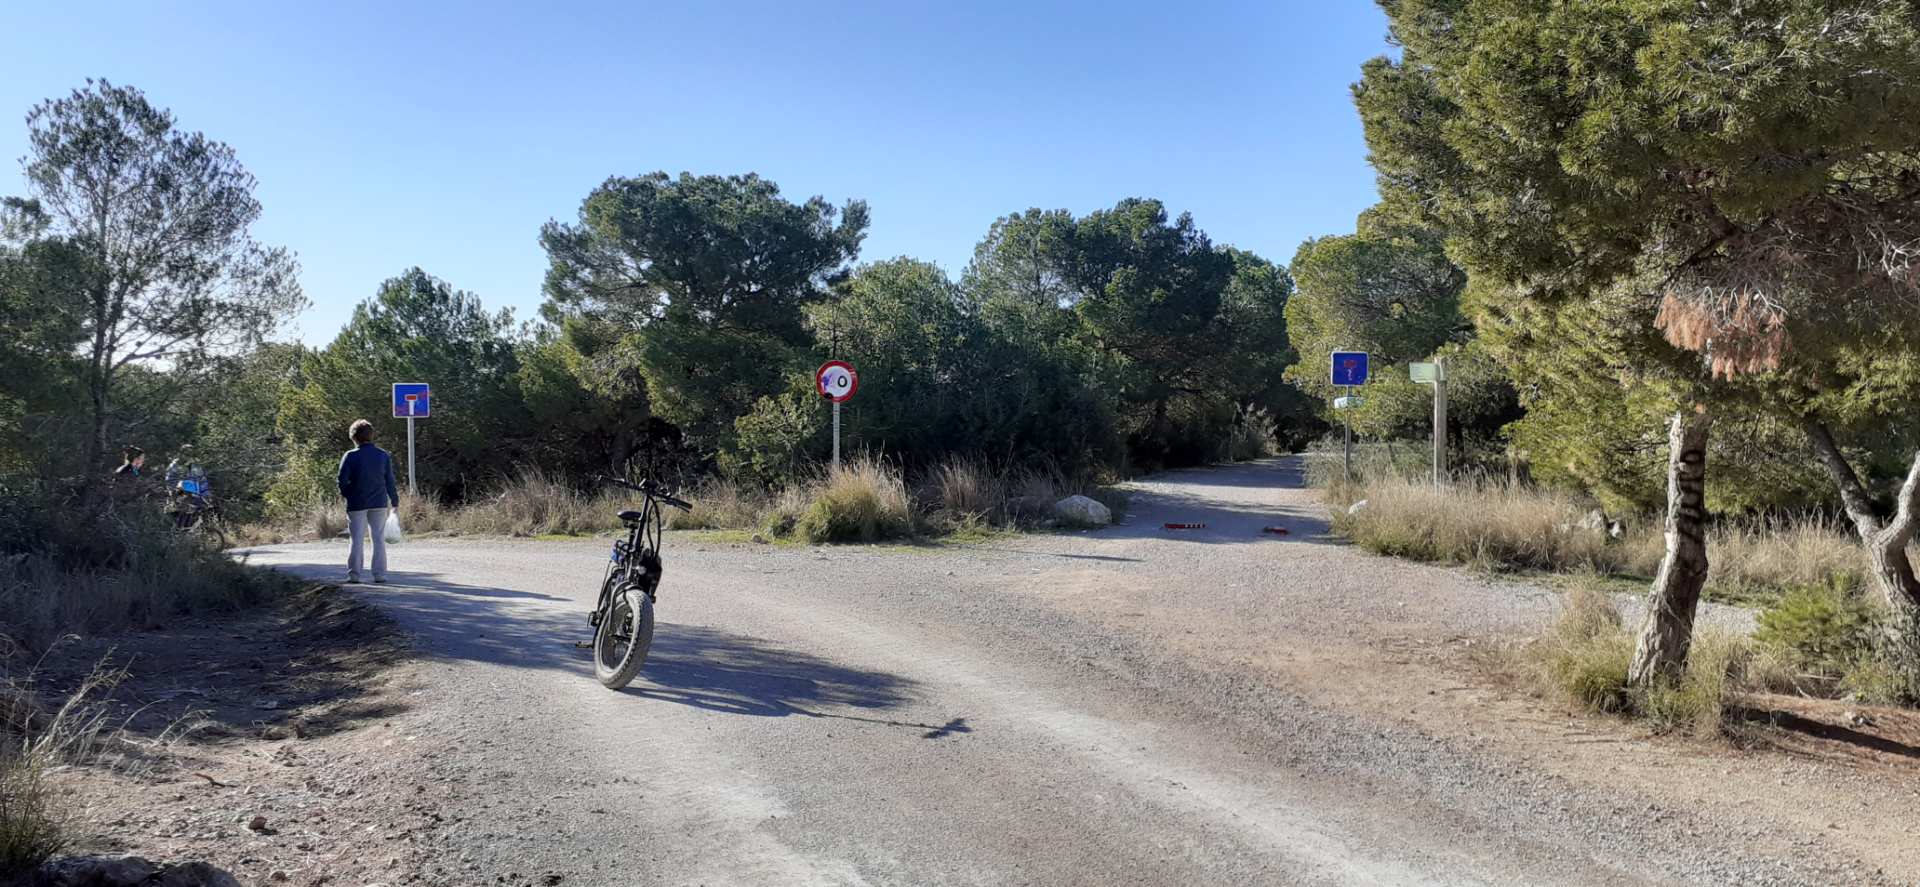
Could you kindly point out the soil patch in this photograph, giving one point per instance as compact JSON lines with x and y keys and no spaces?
{"x":272,"y":744}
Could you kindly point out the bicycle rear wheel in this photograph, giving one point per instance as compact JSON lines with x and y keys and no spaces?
{"x":625,"y":634}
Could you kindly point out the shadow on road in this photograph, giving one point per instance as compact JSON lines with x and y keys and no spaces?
{"x":694,"y":665}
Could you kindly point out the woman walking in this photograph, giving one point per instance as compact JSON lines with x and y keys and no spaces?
{"x":366,"y":482}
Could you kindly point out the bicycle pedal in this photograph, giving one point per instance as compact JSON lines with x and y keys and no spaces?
{"x":583,"y":645}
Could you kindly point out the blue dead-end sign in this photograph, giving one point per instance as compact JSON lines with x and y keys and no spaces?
{"x":412,"y":400}
{"x":1349,"y":367}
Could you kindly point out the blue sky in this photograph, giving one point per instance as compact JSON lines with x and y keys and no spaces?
{"x":444,"y":134}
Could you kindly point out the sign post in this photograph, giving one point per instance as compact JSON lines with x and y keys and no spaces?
{"x":412,"y":400}
{"x":1349,"y":369}
{"x":1435,"y":374}
{"x":836,"y":381}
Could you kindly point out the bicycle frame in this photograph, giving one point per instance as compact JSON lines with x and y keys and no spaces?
{"x":640,"y":548}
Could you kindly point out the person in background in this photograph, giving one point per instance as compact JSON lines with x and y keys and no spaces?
{"x":132,"y":459}
{"x":366,"y":482}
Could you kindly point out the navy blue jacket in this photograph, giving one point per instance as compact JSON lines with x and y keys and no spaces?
{"x":366,"y":478}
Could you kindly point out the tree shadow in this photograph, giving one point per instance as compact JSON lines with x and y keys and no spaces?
{"x":1794,"y":723}
{"x":694,"y":665}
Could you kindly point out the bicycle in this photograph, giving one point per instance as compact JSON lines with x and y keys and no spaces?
{"x":195,"y":511}
{"x":623,"y":617}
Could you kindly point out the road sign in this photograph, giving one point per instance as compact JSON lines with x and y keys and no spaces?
{"x":1349,"y":402}
{"x":837,"y":381}
{"x":412,"y":400}
{"x":1349,"y":367}
{"x":1427,"y":373}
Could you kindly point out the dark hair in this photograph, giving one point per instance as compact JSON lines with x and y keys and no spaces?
{"x":130,"y":452}
{"x":361,"y":431}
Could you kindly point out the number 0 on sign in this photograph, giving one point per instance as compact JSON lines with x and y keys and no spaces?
{"x":837,"y":381}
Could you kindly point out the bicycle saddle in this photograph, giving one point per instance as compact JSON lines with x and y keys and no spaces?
{"x":630,"y":516}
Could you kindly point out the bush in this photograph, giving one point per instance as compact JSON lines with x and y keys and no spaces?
{"x":1586,"y":653}
{"x":1696,"y":703}
{"x":861,"y":501}
{"x":30,"y":832}
{"x":1820,"y":631}
{"x":74,"y":569}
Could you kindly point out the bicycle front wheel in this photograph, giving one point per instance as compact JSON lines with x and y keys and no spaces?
{"x":626,"y":633}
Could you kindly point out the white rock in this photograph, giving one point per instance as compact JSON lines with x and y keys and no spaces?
{"x":1082,"y":510}
{"x":1357,"y":507}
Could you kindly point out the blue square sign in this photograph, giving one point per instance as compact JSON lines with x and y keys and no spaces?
{"x":1349,"y":367}
{"x":412,"y":400}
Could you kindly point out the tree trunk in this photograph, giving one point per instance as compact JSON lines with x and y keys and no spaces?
{"x":1886,"y":543}
{"x":1668,"y":631}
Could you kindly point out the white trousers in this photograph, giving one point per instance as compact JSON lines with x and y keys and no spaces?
{"x":360,"y":524}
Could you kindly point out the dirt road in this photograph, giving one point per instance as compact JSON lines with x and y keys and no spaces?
{"x":1129,"y":706}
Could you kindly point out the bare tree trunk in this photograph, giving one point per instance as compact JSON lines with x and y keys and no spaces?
{"x":1892,"y":572}
{"x":1668,"y":631}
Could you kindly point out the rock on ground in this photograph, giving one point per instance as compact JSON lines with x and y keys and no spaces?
{"x":1082,"y":510}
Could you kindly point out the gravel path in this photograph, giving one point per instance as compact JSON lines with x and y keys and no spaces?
{"x":1098,"y":708}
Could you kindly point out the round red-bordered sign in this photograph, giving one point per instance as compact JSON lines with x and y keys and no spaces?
{"x":836,"y":381}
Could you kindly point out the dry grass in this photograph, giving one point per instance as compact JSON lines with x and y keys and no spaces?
{"x":164,"y":576}
{"x":33,"y":742}
{"x":1584,"y":655}
{"x":962,"y":496}
{"x":864,"y":500}
{"x":31,"y":831}
{"x":1494,"y":525}
{"x":967,"y":490}
{"x":719,"y":505}
{"x":1484,"y":524}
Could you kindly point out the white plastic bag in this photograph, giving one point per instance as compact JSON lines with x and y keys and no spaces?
{"x":392,"y":529}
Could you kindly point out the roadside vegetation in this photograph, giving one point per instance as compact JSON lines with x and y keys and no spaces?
{"x":1818,"y":626}
{"x":866,"y":500}
{"x":1816,"y":642}
{"x":1497,"y":525}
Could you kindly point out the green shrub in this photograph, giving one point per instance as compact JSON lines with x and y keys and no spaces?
{"x":861,"y":501}
{"x":1874,"y":680}
{"x":1821,"y":631}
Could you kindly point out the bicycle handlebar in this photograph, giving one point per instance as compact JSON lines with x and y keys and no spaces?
{"x":649,"y":488}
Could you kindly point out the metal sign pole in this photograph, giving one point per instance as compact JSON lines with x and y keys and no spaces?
{"x":1440,"y":423}
{"x":836,"y":434}
{"x":1346,"y":422}
{"x":413,"y":488}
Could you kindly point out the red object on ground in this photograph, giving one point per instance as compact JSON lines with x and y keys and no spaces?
{"x":1185,"y":526}
{"x":1277,"y":531}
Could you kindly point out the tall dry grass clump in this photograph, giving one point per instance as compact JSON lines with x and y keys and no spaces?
{"x":31,"y":832}
{"x":719,"y":504}
{"x":537,"y":504}
{"x":1584,"y":655}
{"x":968,"y":490}
{"x":1484,"y":524}
{"x":864,"y":500}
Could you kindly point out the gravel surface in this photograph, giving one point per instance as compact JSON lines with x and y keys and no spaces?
{"x":1087,"y":708}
